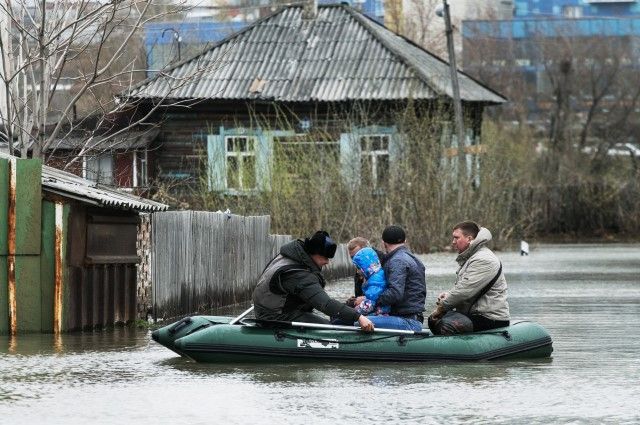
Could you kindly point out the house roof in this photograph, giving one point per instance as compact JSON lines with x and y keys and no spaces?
{"x":132,"y":139}
{"x":74,"y":187}
{"x":341,"y":55}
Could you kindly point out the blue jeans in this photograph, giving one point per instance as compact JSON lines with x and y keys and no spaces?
{"x":395,"y":322}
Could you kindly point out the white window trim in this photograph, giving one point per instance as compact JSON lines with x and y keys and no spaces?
{"x":240,"y":155}
{"x":374,"y":154}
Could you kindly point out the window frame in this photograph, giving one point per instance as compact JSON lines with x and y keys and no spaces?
{"x":240,"y":155}
{"x":96,"y":176}
{"x":374,"y":155}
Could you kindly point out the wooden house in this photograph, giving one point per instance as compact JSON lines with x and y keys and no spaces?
{"x":329,"y":70}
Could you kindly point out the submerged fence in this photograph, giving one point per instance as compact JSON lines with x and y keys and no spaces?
{"x":202,"y":260}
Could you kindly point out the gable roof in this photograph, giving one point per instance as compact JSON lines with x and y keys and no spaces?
{"x":338,"y":56}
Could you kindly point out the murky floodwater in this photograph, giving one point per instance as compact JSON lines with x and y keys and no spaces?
{"x":587,"y":296}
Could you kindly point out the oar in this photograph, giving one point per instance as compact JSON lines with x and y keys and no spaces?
{"x":244,"y":313}
{"x":284,"y":324}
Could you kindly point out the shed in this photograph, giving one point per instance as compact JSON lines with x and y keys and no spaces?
{"x":68,"y":250}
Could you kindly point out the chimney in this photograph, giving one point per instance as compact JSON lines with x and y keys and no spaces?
{"x":310,"y":9}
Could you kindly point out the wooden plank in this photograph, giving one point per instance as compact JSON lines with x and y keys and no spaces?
{"x":87,"y":296}
{"x":130,"y":293}
{"x":28,"y":206}
{"x":4,"y":297}
{"x":28,"y":293}
{"x":47,"y":264}
{"x":98,"y":276}
{"x":118,"y":295}
{"x":4,"y":207}
{"x":111,"y":280}
{"x":64,"y":316}
{"x":202,"y":260}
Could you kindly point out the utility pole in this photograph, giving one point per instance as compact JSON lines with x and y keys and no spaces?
{"x":457,"y":104}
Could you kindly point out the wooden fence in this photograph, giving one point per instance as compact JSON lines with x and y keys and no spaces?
{"x":202,"y":260}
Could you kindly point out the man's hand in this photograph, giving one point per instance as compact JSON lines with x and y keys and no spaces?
{"x":441,"y":297}
{"x":365,"y":324}
{"x":438,"y":312}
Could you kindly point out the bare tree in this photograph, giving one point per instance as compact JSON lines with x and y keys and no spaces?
{"x":62,"y":63}
{"x":420,"y":24}
{"x":584,"y":91}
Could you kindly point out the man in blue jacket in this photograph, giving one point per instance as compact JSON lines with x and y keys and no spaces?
{"x":406,"y":284}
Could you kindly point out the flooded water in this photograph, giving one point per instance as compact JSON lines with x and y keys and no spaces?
{"x":587,"y":296}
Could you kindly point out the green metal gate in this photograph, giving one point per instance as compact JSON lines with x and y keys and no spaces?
{"x":28,"y":255}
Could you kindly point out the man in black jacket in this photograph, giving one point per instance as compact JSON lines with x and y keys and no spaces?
{"x":291,"y":285}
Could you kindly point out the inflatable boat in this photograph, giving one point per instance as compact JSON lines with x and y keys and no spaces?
{"x":215,"y":339}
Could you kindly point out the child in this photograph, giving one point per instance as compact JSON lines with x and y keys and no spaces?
{"x":368,"y":264}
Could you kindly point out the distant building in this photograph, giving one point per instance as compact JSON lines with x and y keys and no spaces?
{"x":524,"y":56}
{"x":575,"y":8}
{"x":208,"y":23}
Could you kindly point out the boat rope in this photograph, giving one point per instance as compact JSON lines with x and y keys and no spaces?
{"x":505,"y":334}
{"x":282,"y":335}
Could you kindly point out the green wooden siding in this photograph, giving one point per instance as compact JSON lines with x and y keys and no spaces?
{"x":28,"y":295}
{"x":4,"y":297}
{"x":4,"y":209}
{"x":32,"y":314}
{"x":264,"y":153}
{"x":28,"y":206}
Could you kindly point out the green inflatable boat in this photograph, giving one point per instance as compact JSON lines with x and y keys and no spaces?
{"x":215,"y":339}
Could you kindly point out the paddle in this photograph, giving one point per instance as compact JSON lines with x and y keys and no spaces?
{"x":244,"y":313}
{"x":284,"y":324}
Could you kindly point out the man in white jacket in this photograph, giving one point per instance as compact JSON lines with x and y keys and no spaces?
{"x":478,"y":300}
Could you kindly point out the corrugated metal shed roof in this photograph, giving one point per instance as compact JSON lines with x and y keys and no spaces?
{"x":71,"y":186}
{"x":339,"y":56}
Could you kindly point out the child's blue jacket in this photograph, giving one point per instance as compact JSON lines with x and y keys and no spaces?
{"x":367,"y":261}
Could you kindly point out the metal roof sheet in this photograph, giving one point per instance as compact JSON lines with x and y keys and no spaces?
{"x":72,"y":186}
{"x":129,"y":140}
{"x":338,"y":56}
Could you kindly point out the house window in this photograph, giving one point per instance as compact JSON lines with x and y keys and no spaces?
{"x":99,"y":168}
{"x":240,"y":162}
{"x":572,"y":11}
{"x":140,"y":168}
{"x":374,"y":158}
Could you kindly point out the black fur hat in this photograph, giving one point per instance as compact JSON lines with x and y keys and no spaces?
{"x":394,"y":235}
{"x":320,"y":243}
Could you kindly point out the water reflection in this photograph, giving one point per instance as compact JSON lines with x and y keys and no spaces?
{"x":588,"y":297}
{"x":386,"y":374}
